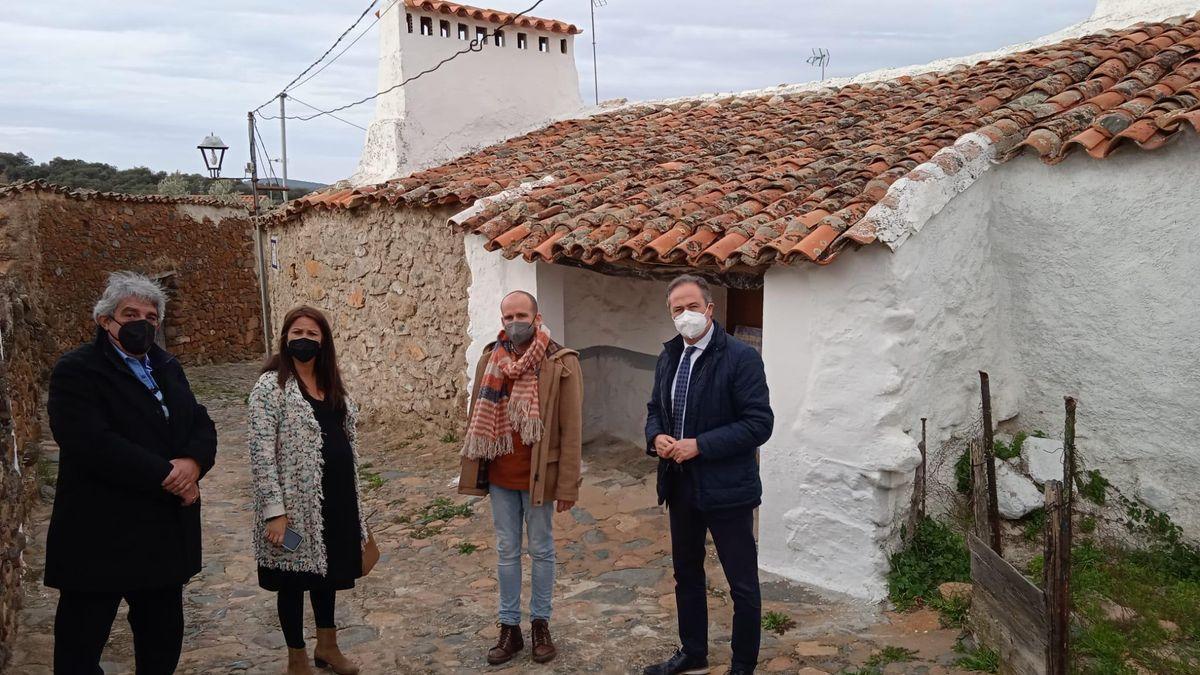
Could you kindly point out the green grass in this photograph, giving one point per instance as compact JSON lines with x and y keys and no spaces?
{"x":467,"y":548}
{"x":443,"y":508}
{"x":777,"y":622}
{"x":1094,"y":488}
{"x":1034,"y":525}
{"x":962,"y":473}
{"x":1159,"y":583}
{"x":890,"y":654}
{"x":371,"y":479}
{"x":952,"y":613}
{"x":933,"y":555}
{"x":449,"y":437}
{"x":1011,"y":450}
{"x":981,"y":659}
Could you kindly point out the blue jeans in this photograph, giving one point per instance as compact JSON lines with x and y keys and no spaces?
{"x":511,"y":508}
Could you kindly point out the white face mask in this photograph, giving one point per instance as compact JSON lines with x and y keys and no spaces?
{"x":691,"y":324}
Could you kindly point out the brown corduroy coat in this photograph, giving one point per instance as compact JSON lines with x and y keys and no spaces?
{"x":555,"y":472}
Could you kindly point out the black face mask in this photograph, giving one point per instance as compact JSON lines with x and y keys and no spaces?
{"x":136,"y":337}
{"x":303,"y":349}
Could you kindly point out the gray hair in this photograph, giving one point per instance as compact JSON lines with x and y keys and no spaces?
{"x":124,"y":285}
{"x":683,"y":279}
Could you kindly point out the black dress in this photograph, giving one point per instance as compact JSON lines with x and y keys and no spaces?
{"x":339,"y":509}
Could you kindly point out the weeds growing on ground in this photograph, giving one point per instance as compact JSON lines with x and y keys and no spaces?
{"x":370,"y":478}
{"x":443,"y":508}
{"x":962,"y":473}
{"x":952,"y":612}
{"x":933,"y":555}
{"x":1034,"y":525}
{"x":777,"y":622}
{"x":449,"y":437}
{"x":980,"y":659}
{"x":891,"y":654}
{"x":467,"y":548}
{"x":1011,"y":450}
{"x":1095,"y":488}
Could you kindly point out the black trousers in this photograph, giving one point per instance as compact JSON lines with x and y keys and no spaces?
{"x":733,"y":534}
{"x":290,"y":603}
{"x":84,"y":620}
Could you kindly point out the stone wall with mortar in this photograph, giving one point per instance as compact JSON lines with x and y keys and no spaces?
{"x":393,"y":283}
{"x":23,"y":361}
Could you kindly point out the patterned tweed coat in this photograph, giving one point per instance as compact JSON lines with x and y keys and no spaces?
{"x":286,"y":466}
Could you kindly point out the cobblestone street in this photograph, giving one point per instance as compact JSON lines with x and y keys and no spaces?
{"x":429,"y":606}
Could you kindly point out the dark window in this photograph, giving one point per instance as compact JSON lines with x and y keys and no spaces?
{"x":481,"y":35}
{"x":426,"y":26}
{"x":562,"y":46}
{"x":544,"y":44}
{"x":444,"y":28}
{"x":464,"y":33}
{"x":409,"y":18}
{"x":499,"y":37}
{"x":522,"y":41}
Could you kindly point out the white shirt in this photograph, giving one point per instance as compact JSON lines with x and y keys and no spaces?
{"x":700,"y":346}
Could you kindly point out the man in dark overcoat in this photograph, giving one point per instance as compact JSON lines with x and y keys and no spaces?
{"x":134,"y":444}
{"x":708,"y":414}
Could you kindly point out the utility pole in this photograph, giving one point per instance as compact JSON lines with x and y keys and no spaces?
{"x":595,"y":66}
{"x":263,"y":296}
{"x":283,"y":141}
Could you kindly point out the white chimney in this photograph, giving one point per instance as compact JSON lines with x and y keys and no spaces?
{"x":516,"y":82}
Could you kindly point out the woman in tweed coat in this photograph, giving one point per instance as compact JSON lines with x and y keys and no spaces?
{"x":305,"y":473}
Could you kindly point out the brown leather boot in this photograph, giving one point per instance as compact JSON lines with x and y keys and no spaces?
{"x":507,"y":646}
{"x":327,"y":654}
{"x":544,"y":650}
{"x":298,"y":662}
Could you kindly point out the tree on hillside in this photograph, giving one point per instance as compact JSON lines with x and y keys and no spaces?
{"x":175,"y":185}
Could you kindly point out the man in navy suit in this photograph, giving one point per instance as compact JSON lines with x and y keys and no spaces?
{"x":708,"y":414}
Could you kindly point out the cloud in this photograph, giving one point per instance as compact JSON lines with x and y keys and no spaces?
{"x":141,"y":83}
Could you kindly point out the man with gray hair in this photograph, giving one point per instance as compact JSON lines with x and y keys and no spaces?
{"x":134,"y":444}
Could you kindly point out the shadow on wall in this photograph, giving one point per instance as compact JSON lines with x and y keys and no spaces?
{"x":616,"y":387}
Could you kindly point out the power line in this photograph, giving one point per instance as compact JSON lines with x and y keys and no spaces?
{"x":293,"y":97}
{"x":474,"y":46}
{"x":327,"y":51}
{"x":347,"y":48}
{"x":262,"y":146}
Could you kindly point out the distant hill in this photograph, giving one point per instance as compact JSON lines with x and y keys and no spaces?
{"x":295,"y":185}
{"x":77,"y":173}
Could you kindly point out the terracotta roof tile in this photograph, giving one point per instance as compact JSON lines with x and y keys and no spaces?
{"x":492,"y":16}
{"x":744,"y":182}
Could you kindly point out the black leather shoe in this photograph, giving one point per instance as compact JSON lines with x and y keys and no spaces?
{"x":679,"y":664}
{"x":740,"y":670}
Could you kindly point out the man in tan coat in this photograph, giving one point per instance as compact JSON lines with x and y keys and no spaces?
{"x":523,"y":447}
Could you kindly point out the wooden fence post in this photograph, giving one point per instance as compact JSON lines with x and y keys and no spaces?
{"x":979,"y":490}
{"x":1069,"y":454}
{"x":1057,"y":579}
{"x":989,"y":456}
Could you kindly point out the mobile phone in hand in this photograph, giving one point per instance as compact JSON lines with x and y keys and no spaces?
{"x":291,"y":539}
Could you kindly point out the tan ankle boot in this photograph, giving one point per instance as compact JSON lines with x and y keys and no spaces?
{"x":298,"y":662}
{"x":328,"y":655}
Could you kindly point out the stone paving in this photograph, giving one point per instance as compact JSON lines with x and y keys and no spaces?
{"x":429,"y":606}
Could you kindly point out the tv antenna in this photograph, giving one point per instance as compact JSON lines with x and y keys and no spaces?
{"x":593,"y":4}
{"x":820,"y":57}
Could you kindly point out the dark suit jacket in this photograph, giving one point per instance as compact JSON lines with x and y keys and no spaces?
{"x":728,"y":413}
{"x":114,"y":528}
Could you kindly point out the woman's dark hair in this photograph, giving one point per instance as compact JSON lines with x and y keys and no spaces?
{"x":329,"y":378}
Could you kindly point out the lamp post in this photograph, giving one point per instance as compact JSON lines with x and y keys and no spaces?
{"x":212,"y":149}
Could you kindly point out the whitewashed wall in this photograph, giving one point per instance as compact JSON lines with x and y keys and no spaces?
{"x":476,"y":100}
{"x":1075,"y":279}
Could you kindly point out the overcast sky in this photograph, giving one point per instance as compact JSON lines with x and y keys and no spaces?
{"x":141,"y":83}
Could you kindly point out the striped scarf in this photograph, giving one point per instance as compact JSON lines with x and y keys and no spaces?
{"x":499,"y":409}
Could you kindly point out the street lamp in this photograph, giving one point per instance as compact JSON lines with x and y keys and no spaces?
{"x":212,"y":149}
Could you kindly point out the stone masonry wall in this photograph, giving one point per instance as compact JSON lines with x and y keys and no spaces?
{"x":393,"y":283}
{"x":23,"y":361}
{"x":204,"y":255}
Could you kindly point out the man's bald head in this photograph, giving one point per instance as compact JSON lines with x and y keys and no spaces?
{"x":519,"y":302}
